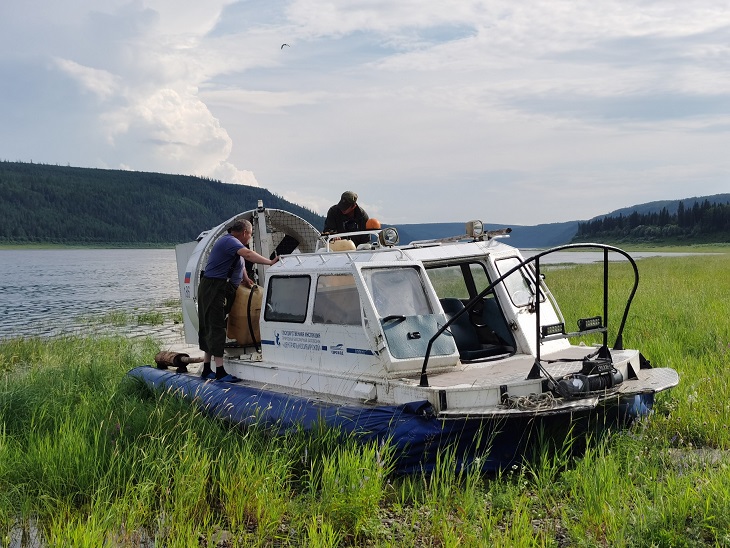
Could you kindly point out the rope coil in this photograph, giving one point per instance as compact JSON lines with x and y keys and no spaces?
{"x":533,"y":402}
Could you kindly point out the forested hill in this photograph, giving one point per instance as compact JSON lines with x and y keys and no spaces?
{"x":69,"y":205}
{"x":47,"y":204}
{"x":693,"y":220}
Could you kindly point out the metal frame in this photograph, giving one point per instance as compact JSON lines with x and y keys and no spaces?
{"x":537,"y":368}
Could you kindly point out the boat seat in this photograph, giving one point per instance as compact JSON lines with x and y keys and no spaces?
{"x":465,"y":334}
{"x":492,"y":318}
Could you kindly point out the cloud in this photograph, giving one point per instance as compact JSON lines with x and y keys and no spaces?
{"x":99,"y":82}
{"x":143,"y":63}
{"x":520,"y":112}
{"x":166,"y":129}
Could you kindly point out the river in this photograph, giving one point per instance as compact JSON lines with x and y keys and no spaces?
{"x":51,"y":292}
{"x":62,"y":291}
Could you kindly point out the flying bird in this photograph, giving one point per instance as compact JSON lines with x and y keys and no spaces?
{"x":282,"y":46}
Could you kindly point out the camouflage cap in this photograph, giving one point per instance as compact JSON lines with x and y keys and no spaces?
{"x":348,"y":199}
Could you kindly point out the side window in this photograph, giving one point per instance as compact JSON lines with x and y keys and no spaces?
{"x":336,"y":301}
{"x":397,"y":291}
{"x":448,"y":281}
{"x":520,"y":287}
{"x":286,"y":300}
{"x":456,"y":282}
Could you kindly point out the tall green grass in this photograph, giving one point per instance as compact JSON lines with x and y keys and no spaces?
{"x":90,"y":458}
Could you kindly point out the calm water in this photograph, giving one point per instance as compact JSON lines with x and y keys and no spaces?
{"x":45,"y":292}
{"x":49,"y":292}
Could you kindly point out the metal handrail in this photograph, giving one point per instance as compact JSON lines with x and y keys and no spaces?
{"x":618,"y":344}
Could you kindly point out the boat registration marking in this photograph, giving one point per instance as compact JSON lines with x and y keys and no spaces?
{"x":305,"y":340}
{"x":360,"y":351}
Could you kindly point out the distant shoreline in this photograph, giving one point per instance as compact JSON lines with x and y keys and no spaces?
{"x":660,"y":248}
{"x":32,"y":246}
{"x":719,"y":247}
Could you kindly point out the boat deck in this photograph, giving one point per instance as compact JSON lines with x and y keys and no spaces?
{"x":513,"y":369}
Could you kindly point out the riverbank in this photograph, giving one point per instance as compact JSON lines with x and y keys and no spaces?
{"x":719,"y":247}
{"x":87,"y":458}
{"x":162,"y":323}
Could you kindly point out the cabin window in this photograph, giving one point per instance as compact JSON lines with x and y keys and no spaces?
{"x":398,"y":291}
{"x":448,"y":281}
{"x":520,"y":285}
{"x":460,"y":281}
{"x":286,"y":300}
{"x":483,"y":330}
{"x":337,"y":301}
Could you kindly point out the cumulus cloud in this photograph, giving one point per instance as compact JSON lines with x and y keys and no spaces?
{"x":169,"y":130}
{"x":99,"y":82}
{"x":143,"y":63}
{"x":519,"y":112}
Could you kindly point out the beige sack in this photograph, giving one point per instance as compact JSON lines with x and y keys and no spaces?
{"x":342,"y":245}
{"x":239,"y":327}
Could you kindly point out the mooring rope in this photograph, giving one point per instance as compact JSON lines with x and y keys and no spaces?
{"x":533,"y":402}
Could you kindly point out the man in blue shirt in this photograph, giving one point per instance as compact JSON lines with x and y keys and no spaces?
{"x":223,"y":274}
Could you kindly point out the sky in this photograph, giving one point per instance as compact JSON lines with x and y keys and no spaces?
{"x":519,"y":113}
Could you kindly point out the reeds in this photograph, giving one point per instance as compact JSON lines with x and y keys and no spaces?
{"x":90,"y":458}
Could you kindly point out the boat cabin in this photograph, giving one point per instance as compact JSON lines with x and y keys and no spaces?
{"x":464,"y":322}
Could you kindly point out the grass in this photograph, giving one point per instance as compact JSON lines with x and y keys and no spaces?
{"x":88,"y":458}
{"x":165,"y":311}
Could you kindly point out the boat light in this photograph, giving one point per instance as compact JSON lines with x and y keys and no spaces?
{"x":553,"y":329}
{"x":474,"y":229}
{"x":584,"y":324}
{"x":388,"y":237}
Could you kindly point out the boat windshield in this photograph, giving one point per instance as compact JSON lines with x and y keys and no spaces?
{"x":397,"y":291}
{"x":520,"y":284}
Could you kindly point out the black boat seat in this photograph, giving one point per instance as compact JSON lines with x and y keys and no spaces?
{"x":493,"y":319}
{"x":465,"y":334}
